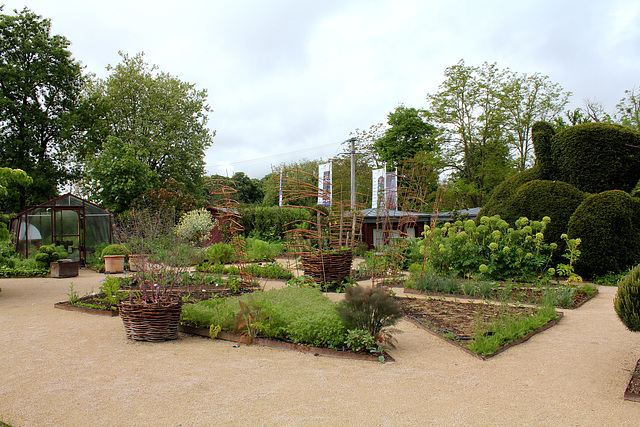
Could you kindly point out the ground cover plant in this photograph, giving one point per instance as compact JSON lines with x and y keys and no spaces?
{"x":301,"y":315}
{"x":268,"y":270}
{"x":483,"y":328}
{"x":562,"y":295}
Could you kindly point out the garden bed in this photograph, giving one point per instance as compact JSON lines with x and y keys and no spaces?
{"x":518,"y":295}
{"x":90,"y":304}
{"x":316,"y":351}
{"x":457,"y":322}
{"x":632,"y":392}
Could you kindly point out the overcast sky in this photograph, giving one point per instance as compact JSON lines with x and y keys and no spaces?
{"x":289,"y":80}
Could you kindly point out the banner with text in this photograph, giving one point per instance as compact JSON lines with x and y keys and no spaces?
{"x":384,"y":189}
{"x":324,"y":184}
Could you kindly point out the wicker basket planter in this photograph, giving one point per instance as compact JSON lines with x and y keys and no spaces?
{"x":151,"y":322}
{"x":327,"y":267}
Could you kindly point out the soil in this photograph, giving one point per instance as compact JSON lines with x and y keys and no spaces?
{"x":633,"y":389}
{"x":457,"y":318}
{"x":65,"y":368}
{"x":522,"y":295}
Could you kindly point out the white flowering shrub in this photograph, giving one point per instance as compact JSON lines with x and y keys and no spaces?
{"x":195,"y":225}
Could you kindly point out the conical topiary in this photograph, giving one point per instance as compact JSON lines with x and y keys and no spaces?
{"x":627,"y":301}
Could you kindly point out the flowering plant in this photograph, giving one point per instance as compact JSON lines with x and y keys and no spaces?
{"x":491,"y":249}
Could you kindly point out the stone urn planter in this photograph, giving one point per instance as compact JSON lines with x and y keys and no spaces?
{"x":114,"y":263}
{"x":327,"y":266}
{"x":152,"y":322}
{"x":64,"y":268}
{"x":138,"y":262}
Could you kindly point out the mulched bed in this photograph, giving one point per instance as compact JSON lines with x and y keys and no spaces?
{"x":632,"y":392}
{"x":456,"y":321}
{"x":522,"y":295}
{"x":194,"y":293}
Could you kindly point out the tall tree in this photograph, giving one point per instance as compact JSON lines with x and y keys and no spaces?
{"x":525,"y":100}
{"x":485,"y":116}
{"x":629,"y":109}
{"x":40,"y":84}
{"x":407,"y":135}
{"x":472,"y":130}
{"x":160,"y":118}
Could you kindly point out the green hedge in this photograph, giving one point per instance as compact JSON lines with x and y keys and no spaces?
{"x":537,"y":199}
{"x":505,"y":190}
{"x":542,"y":134}
{"x":609,"y":225}
{"x":595,"y":157}
{"x":270,"y":223}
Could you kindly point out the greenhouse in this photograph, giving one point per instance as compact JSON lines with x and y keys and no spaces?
{"x":69,"y":221}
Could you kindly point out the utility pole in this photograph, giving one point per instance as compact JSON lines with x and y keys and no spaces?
{"x":353,"y":173}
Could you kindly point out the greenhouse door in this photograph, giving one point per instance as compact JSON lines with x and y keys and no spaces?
{"x":67,"y":231}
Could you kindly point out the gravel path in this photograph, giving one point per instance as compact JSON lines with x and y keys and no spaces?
{"x":64,"y":368}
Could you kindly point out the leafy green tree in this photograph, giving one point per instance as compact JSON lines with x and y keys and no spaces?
{"x":629,"y":109}
{"x":526,"y":100}
{"x":161,"y":119}
{"x":10,"y":176}
{"x":407,"y":135}
{"x":485,"y":116}
{"x":117,"y":177}
{"x":247,"y":190}
{"x":472,"y":134}
{"x":40,"y":84}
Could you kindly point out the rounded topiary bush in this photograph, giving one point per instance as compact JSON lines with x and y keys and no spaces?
{"x":596,"y":157}
{"x":627,"y":301}
{"x":115,"y":249}
{"x":505,"y":190}
{"x":608,"y":224}
{"x":537,"y":199}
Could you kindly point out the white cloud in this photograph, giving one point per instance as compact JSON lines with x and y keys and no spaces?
{"x":286,"y":77}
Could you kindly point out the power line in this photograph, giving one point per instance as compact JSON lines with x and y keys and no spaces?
{"x":282,"y":154}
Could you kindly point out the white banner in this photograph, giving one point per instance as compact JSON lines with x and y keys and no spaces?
{"x":280,"y":195}
{"x":324,"y":184}
{"x":384,"y":189}
{"x":377,"y":187}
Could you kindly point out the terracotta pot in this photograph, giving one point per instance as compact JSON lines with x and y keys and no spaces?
{"x":114,"y":263}
{"x":138,"y":262}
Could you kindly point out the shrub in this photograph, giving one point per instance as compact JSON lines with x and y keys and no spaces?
{"x":302,"y":315}
{"x":627,"y":300}
{"x":220,"y":253}
{"x":537,"y":199}
{"x":50,"y":253}
{"x":259,"y":250}
{"x":492,"y":249}
{"x":369,"y":309}
{"x":597,"y":157}
{"x":115,"y":249}
{"x":270,"y":223}
{"x":507,"y":189}
{"x":608,"y":225}
{"x":194,"y":226}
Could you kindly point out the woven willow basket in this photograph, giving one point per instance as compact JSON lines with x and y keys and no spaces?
{"x":327,"y":266}
{"x":151,"y":322}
